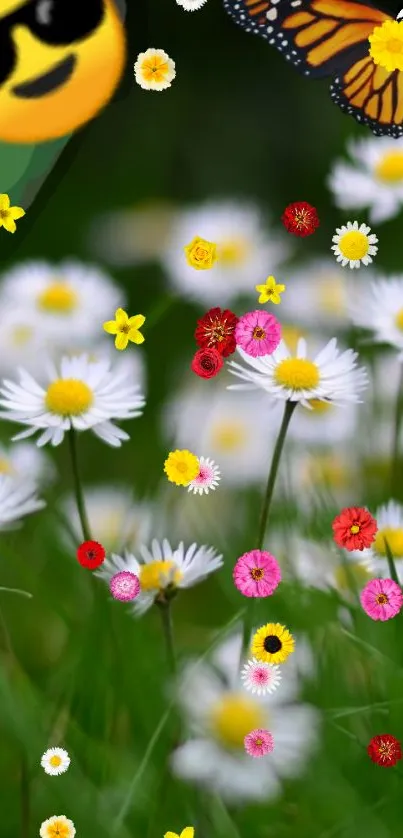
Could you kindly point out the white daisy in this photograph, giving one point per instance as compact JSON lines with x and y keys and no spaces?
{"x":234,"y":430}
{"x":65,"y":302}
{"x":115,"y":518}
{"x":22,"y":341}
{"x":317,"y":295}
{"x":57,"y":825}
{"x":162,"y":568}
{"x":259,"y":677}
{"x":379,"y":308}
{"x":353,"y":244}
{"x":245,"y":246}
{"x":191,"y":5}
{"x":17,"y":499}
{"x":154,"y":69}
{"x":331,"y":376}
{"x":374,"y":179}
{"x":207,"y":478}
{"x":317,"y":565}
{"x":325,"y":424}
{"x":55,"y":761}
{"x":23,"y":459}
{"x":83,"y":396}
{"x":389,"y":519}
{"x":321,"y":476}
{"x":132,"y":236}
{"x":220,"y":714}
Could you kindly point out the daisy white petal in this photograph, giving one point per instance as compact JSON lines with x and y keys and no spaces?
{"x":55,"y":761}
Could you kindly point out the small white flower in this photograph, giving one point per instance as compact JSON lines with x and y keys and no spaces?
{"x":207,"y":478}
{"x":353,"y":244}
{"x":260,"y":678}
{"x":379,"y":308}
{"x":132,"y":236}
{"x":317,"y":296}
{"x":245,"y":246}
{"x":24,"y":459}
{"x":162,"y":567}
{"x":57,"y":825}
{"x":17,"y":499}
{"x":85,"y":395}
{"x":331,"y":376}
{"x":55,"y":761}
{"x":374,"y":179}
{"x":191,"y":5}
{"x":154,"y":69}
{"x":325,"y":424}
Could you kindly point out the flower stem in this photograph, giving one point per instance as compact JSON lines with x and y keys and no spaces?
{"x":166,"y":618}
{"x":394,"y":478}
{"x":391,"y":563}
{"x":78,"y":491}
{"x":264,"y":515}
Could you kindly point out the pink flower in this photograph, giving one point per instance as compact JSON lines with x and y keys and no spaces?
{"x":256,"y":573}
{"x":258,"y":333}
{"x":258,"y":743}
{"x":260,"y":677}
{"x":124,"y":586}
{"x":381,"y":599}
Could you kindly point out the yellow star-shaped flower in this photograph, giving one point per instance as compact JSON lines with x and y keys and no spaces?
{"x":270,"y":292}
{"x":188,"y":832}
{"x":125,"y":328}
{"x":9,"y":215}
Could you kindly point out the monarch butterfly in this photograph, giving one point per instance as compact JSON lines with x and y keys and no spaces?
{"x":330,"y":38}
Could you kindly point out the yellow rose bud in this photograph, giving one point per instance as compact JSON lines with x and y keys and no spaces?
{"x":201,"y":254}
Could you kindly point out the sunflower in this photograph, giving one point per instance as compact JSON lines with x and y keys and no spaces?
{"x":272,"y":643}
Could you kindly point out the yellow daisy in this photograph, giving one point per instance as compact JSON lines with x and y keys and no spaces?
{"x":270,"y":292}
{"x":181,"y":467}
{"x":9,"y":215}
{"x":386,"y":45}
{"x":272,"y":643}
{"x":200,"y":254}
{"x":125,"y":328}
{"x":187,"y":832}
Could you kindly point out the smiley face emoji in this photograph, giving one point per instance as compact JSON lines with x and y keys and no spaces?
{"x":60,"y":62}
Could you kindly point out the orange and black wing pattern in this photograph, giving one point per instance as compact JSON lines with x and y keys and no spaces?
{"x":330,"y":38}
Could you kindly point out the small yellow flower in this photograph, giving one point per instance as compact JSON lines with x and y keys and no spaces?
{"x":181,"y":467}
{"x":154,"y":69}
{"x":386,"y":45}
{"x":125,"y":328}
{"x":187,"y":832}
{"x":9,"y":215}
{"x":201,"y":254}
{"x":272,"y":643}
{"x":270,"y":292}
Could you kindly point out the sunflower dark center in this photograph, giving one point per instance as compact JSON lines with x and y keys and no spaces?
{"x":272,"y":644}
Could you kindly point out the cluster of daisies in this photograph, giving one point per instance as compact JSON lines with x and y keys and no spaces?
{"x":56,"y":761}
{"x":199,"y":474}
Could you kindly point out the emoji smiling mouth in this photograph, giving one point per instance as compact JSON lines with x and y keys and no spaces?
{"x":48,"y":81}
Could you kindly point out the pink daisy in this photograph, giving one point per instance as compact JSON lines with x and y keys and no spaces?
{"x":258,"y":743}
{"x":381,"y":599}
{"x":256,"y":573}
{"x":258,"y":333}
{"x":259,"y":677}
{"x":124,"y":586}
{"x":207,"y":478}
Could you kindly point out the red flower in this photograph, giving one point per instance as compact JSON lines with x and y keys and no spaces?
{"x":207,"y":363}
{"x":90,"y":554}
{"x":216,"y":329}
{"x":354,"y":528}
{"x":385,"y":750}
{"x":300,"y":218}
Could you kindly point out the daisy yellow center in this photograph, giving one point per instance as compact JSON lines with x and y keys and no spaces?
{"x":353,"y":575}
{"x":233,"y":251}
{"x":297,"y":374}
{"x":354,"y":245}
{"x":399,"y":319}
{"x":394,"y":537}
{"x":153,"y":575}
{"x":58,"y":298}
{"x":320,"y":407}
{"x":381,"y":599}
{"x":326,"y":469}
{"x":5,"y":466}
{"x":68,"y":397}
{"x":390,"y":167}
{"x":154,"y":68}
{"x":58,"y":829}
{"x":21,"y":335}
{"x":228,"y":436}
{"x":331,"y":296}
{"x":55,"y":761}
{"x":233,"y":717}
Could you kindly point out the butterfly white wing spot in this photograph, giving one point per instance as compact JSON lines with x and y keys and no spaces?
{"x":272,"y":14}
{"x":400,"y":15}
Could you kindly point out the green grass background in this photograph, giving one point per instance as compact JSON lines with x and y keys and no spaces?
{"x":74,"y":667}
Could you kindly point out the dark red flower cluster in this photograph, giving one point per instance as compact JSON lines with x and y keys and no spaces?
{"x":354,"y":528}
{"x":90,"y":554}
{"x":300,"y":219}
{"x":215,"y":334}
{"x":385,"y":750}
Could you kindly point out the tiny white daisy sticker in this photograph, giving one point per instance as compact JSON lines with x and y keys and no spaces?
{"x":55,"y":761}
{"x":154,"y":69}
{"x":207,"y":479}
{"x":191,"y":5}
{"x":354,"y":244}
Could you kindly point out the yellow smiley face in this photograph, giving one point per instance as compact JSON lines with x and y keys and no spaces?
{"x":60,"y":62}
